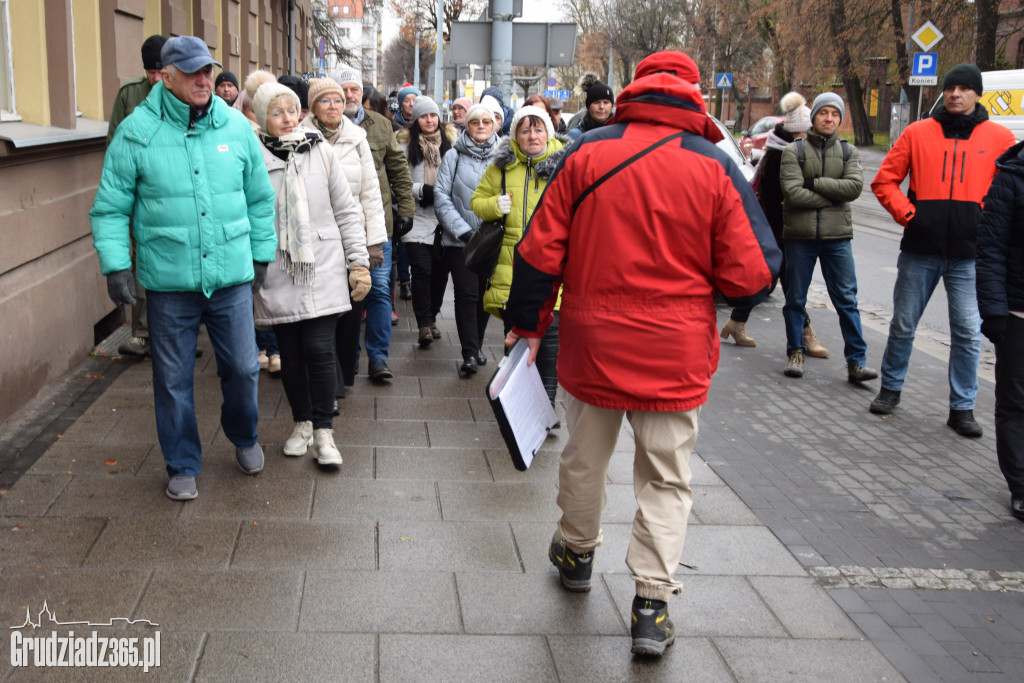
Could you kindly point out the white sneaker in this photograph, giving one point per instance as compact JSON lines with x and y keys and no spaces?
{"x":300,"y":440}
{"x":325,"y":451}
{"x":264,"y":361}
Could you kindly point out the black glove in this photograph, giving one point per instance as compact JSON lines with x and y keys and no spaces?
{"x":259,"y":275}
{"x":121,"y":287}
{"x":994,"y":329}
{"x":464,"y":237}
{"x":428,"y":196}
{"x":809,"y":184}
{"x":403,"y":226}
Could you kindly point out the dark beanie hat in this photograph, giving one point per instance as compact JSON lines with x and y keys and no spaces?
{"x":964,"y":74}
{"x":599,"y":91}
{"x":298,"y":86}
{"x":151,"y":52}
{"x":226,"y":76}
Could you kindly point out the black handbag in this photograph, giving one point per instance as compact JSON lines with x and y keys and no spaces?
{"x":484,"y":246}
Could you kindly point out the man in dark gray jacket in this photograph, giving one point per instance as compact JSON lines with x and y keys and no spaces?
{"x":395,"y":181}
{"x":820,"y":176}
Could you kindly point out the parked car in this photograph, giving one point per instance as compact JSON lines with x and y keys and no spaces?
{"x":729,"y":146}
{"x":753,"y":140}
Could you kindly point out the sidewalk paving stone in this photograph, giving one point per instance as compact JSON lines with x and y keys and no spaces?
{"x":146,"y":543}
{"x":416,"y":545}
{"x":312,"y":657}
{"x":497,"y":659}
{"x":606,"y":659}
{"x":285,"y":544}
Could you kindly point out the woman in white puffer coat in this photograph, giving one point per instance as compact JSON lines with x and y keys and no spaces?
{"x":327,"y":116}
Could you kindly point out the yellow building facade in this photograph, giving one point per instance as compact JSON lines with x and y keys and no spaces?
{"x":61,"y":64}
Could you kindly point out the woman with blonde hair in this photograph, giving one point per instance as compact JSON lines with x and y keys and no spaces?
{"x":321,"y":254}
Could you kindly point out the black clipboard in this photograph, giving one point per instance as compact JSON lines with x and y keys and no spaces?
{"x":521,"y":406}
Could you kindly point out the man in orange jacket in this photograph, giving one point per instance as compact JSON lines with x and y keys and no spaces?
{"x":638,"y":329}
{"x":951,"y":159}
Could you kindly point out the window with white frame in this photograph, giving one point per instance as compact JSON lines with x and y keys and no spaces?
{"x":343,"y":32}
{"x":8,"y":111}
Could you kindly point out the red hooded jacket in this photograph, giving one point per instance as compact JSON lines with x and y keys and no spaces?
{"x":639,"y":258}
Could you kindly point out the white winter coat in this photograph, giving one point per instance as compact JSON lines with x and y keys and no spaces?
{"x":353,"y":151}
{"x":338,"y":242}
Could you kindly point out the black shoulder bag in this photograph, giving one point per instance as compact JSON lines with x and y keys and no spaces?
{"x":484,"y":246}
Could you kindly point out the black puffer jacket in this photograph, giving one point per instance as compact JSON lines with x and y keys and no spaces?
{"x":1000,"y":257}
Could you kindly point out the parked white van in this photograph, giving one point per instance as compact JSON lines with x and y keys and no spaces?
{"x":1003,"y":96}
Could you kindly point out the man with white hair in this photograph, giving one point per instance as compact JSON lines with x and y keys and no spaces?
{"x":190,"y":171}
{"x":395,"y":186}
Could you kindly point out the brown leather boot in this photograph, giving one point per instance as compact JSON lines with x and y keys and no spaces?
{"x":738,"y":332}
{"x":425,"y":338}
{"x":813,"y":347}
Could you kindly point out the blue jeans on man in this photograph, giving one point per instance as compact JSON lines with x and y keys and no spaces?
{"x":917,"y":277}
{"x":378,"y":309}
{"x":174,"y":319}
{"x":837,"y":267}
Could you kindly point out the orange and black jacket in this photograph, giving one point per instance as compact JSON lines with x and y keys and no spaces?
{"x":951,"y":160}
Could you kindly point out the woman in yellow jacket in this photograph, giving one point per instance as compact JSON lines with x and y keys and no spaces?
{"x":526,"y":160}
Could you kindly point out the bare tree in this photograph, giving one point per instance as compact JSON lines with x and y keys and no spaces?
{"x":400,"y":59}
{"x":323,"y":25}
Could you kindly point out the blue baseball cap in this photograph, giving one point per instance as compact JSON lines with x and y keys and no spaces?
{"x":188,"y":54}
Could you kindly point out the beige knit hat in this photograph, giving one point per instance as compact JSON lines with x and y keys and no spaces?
{"x":318,"y":87}
{"x":798,"y":116}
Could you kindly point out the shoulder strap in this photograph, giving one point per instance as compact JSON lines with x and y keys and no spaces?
{"x":600,"y":181}
{"x":846,"y":150}
{"x":801,"y":153}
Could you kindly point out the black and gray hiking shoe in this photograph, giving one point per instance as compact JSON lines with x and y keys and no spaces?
{"x":573,"y":569}
{"x":651,"y":628}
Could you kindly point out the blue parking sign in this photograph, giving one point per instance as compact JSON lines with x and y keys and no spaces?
{"x":925,"y":64}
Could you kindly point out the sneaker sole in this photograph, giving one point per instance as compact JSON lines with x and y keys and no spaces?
{"x":816,"y":354}
{"x":297,"y":453}
{"x":569,"y":585}
{"x":246,"y":471}
{"x":881,"y":410}
{"x":187,"y":495}
{"x":328,"y":460}
{"x":795,"y":375}
{"x":650,"y":647}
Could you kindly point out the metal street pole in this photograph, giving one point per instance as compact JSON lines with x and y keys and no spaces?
{"x":439,"y":57}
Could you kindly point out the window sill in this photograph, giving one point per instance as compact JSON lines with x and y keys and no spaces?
{"x":22,"y":135}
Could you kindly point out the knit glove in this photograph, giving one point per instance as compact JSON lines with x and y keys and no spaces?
{"x":505,"y":204}
{"x":994,"y":329}
{"x":376,"y":252}
{"x":428,"y":196}
{"x":809,"y":184}
{"x":121,"y":287}
{"x":360,"y":282}
{"x":259,"y":275}
{"x":465,"y":237}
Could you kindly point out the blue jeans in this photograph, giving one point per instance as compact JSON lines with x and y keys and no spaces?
{"x":916,"y":279}
{"x":378,"y":309}
{"x":174,"y":319}
{"x":836,"y":257}
{"x":266,"y":340}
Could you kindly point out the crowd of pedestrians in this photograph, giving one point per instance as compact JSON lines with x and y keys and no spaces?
{"x":290,"y":233}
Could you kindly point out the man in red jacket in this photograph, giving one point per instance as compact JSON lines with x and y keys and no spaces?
{"x":951,"y":159}
{"x":642,"y":221}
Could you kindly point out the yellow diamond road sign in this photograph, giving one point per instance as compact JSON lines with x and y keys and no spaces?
{"x":927,"y":36}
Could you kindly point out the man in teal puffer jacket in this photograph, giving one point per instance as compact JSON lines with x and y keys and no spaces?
{"x":191,"y":170}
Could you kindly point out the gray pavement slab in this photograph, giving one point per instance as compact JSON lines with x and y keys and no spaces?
{"x":380,"y":602}
{"x":433,"y":464}
{"x":311,"y":657}
{"x":606,"y":659}
{"x":511,"y":659}
{"x":777,"y":659}
{"x":302,"y":545}
{"x":148,"y":543}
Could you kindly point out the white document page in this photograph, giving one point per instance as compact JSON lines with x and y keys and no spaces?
{"x":521,"y":392}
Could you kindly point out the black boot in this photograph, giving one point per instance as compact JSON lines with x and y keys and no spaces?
{"x":963,"y":423}
{"x":468,"y":366}
{"x":885,"y":402}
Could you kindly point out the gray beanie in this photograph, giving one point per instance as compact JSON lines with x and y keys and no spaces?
{"x":424,"y":105}
{"x":829,"y":99}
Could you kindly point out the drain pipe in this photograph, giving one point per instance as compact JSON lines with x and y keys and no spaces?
{"x":291,"y":37}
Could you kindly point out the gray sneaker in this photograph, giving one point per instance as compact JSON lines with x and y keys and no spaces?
{"x":795,"y":366}
{"x":182,"y":488}
{"x":136,"y":346}
{"x":250,"y":459}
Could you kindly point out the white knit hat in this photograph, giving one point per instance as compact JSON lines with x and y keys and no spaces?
{"x":479,"y":110}
{"x":798,"y":116}
{"x":494,"y":106}
{"x":346,"y":74}
{"x":530,"y":110}
{"x":265,"y":96}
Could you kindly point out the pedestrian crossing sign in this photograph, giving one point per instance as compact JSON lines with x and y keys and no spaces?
{"x":723,"y":80}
